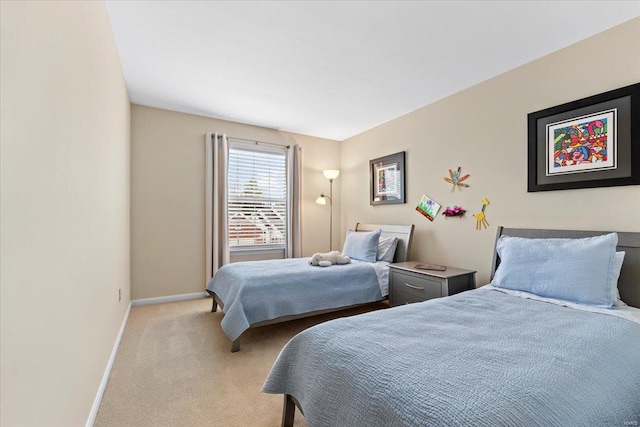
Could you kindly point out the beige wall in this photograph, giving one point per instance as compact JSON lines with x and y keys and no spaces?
{"x":167,"y":196}
{"x":64,"y":207}
{"x":484,"y":130}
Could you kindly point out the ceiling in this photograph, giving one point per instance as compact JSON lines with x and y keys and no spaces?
{"x":334,"y":69}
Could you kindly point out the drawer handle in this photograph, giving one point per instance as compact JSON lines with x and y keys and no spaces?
{"x":414,"y":287}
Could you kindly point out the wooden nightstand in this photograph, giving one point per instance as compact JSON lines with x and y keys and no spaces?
{"x":408,"y":284}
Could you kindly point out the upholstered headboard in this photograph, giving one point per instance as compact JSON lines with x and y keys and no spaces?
{"x":629,"y":281}
{"x":404,"y":233}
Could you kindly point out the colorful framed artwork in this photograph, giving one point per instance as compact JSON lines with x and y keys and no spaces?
{"x":591,"y":142}
{"x":428,"y":207}
{"x":386,"y":176}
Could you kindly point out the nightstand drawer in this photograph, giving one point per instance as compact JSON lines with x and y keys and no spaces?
{"x":417,"y":286}
{"x":408,"y":284}
{"x":400,"y":298}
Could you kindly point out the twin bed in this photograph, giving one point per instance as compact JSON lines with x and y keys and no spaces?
{"x":258,"y":293}
{"x":550,"y":342}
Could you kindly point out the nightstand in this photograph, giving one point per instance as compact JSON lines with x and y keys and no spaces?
{"x":408,"y":284}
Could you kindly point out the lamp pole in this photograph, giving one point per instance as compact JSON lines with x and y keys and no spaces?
{"x":330,"y":215}
{"x":330,"y":174}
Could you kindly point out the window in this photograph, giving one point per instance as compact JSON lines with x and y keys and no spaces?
{"x":257,"y":196}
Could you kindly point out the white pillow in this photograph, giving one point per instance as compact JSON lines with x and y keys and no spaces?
{"x":387,"y":248}
{"x":618,"y":259}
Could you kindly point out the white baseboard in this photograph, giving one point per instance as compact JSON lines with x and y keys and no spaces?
{"x":170,"y":298}
{"x":107,"y":372}
{"x":116,"y":345}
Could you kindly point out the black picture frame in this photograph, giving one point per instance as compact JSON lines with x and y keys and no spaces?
{"x":614,"y":128}
{"x":387,"y":180}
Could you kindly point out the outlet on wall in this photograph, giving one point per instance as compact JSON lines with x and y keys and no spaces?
{"x":119,"y":295}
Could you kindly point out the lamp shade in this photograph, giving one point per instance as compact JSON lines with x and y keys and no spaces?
{"x":331,"y":173}
{"x":321,"y":200}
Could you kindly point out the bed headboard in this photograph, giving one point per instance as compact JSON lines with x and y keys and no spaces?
{"x":404,"y":233}
{"x":629,"y":281}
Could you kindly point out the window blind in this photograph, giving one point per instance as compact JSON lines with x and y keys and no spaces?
{"x":257,"y":197}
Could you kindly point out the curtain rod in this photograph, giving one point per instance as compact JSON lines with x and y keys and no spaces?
{"x":256,"y":142}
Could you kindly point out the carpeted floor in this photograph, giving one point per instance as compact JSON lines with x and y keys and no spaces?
{"x":174,"y":368}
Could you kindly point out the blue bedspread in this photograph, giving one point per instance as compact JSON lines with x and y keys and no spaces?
{"x":256,"y":291}
{"x":479,"y":358}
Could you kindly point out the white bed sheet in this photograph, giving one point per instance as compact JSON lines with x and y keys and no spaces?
{"x":621,"y":310}
{"x":382,"y":272}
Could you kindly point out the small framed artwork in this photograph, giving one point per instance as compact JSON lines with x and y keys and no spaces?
{"x":386,"y":176}
{"x":591,"y":142}
{"x":428,"y":207}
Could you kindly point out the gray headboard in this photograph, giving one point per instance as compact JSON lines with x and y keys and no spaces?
{"x":629,"y":281}
{"x":404,"y":233}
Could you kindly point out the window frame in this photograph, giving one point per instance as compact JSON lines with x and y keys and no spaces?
{"x":261,"y":249}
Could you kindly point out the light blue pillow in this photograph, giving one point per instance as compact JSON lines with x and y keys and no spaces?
{"x":387,"y":248}
{"x":575,"y":270}
{"x":362,"y":245}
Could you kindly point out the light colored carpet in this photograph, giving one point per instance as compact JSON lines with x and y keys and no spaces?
{"x":174,"y":368}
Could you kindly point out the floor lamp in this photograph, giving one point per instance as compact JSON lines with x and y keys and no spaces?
{"x":330,"y":174}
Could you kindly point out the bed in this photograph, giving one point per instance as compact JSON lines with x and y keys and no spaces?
{"x":258,"y":293}
{"x":494,"y":356}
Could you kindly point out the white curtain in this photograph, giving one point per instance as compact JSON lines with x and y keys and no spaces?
{"x":294,"y":242}
{"x":216,"y":220}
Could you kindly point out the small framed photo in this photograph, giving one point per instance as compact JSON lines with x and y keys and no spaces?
{"x":386,"y":176}
{"x":591,"y":142}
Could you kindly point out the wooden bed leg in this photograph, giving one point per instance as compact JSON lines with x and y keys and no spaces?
{"x":288,"y":411}
{"x":235,"y":345}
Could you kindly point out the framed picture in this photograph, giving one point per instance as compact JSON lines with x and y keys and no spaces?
{"x":386,"y":176}
{"x":428,"y":207}
{"x":591,"y":142}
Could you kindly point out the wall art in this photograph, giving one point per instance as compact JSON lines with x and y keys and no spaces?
{"x":387,"y":182}
{"x":456,"y":179}
{"x":428,"y":207}
{"x":481,"y":219}
{"x":591,"y":142}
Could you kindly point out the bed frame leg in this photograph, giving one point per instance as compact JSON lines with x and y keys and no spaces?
{"x":214,"y":306}
{"x":235,"y":345}
{"x":288,"y":411}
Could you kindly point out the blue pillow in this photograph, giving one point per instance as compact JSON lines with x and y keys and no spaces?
{"x":575,"y":270}
{"x":362,"y":245}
